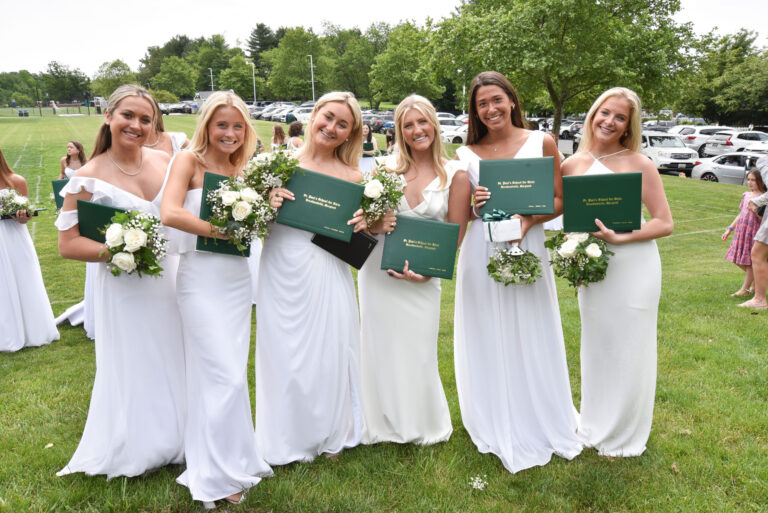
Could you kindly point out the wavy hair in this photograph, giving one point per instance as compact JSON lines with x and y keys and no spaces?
{"x":477,"y":129}
{"x":5,"y":171}
{"x":633,"y":136}
{"x":104,"y":135}
{"x":405,"y":157}
{"x":80,"y":153}
{"x":350,"y":150}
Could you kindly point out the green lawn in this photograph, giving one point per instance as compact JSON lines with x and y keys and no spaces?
{"x":707,"y":450}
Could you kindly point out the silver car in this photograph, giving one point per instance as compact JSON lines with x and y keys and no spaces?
{"x":727,"y":168}
{"x":695,"y":137}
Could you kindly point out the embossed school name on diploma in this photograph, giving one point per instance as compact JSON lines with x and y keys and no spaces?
{"x":323,"y":204}
{"x":614,"y":198}
{"x":428,"y":245}
{"x":519,"y":186}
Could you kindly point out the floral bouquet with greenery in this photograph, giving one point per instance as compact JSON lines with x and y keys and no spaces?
{"x":383,"y":190}
{"x":239,"y":212}
{"x":514,"y":265}
{"x":135,"y":244}
{"x":11,"y":202}
{"x":578,"y":257}
{"x":267,"y":171}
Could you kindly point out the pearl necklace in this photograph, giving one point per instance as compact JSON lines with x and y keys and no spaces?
{"x":601,"y":157}
{"x":154,"y":143}
{"x":141,"y":163}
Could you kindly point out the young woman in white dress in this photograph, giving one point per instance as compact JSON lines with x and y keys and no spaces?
{"x":137,"y":413}
{"x":618,"y":314}
{"x":25,"y":312}
{"x":169,"y":142}
{"x":403,"y":397}
{"x":368,"y":160}
{"x":307,"y":331}
{"x":73,"y":160}
{"x":511,"y":371}
{"x":295,"y":131}
{"x":214,"y":296}
{"x":279,"y":141}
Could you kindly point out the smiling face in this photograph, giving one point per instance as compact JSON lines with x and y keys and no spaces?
{"x":226,"y":130}
{"x":494,"y":107}
{"x":611,"y":120}
{"x":130,"y":122}
{"x":332,"y":125}
{"x":418,"y":132}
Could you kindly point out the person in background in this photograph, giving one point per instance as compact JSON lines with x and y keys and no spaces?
{"x":391,"y":141}
{"x":73,"y":160}
{"x":278,"y":141}
{"x":368,"y":160}
{"x":295,"y":131}
{"x":760,"y":248}
{"x":169,"y":142}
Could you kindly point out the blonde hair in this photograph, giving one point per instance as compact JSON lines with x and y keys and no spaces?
{"x":350,"y":150}
{"x":104,"y":135}
{"x":632,"y":139}
{"x":199,"y":143}
{"x":405,"y":157}
{"x":5,"y":171}
{"x":159,"y":124}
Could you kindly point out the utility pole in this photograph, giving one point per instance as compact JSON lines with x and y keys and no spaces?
{"x":312,"y":74}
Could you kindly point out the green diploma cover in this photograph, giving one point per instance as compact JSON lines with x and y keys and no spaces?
{"x":519,"y":186}
{"x":92,"y":217}
{"x":211,"y":182}
{"x":367,"y":146}
{"x":323,"y":204}
{"x":429,"y":246}
{"x":614,"y":198}
{"x":58,"y":185}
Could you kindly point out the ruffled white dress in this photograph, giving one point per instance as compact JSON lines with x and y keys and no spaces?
{"x":138,"y":409}
{"x":618,"y":348}
{"x":307,"y":351}
{"x":511,"y":371}
{"x":26,"y":317}
{"x":403,"y":397}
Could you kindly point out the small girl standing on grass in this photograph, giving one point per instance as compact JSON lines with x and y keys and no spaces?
{"x":744,"y":227}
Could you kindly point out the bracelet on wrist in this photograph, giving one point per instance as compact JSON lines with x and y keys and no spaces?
{"x":730,"y":228}
{"x":474,"y":212}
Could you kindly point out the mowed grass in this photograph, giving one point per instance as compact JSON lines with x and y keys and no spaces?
{"x":707,"y":450}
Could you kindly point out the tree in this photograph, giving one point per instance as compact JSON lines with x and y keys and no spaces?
{"x":177,"y":76}
{"x":110,"y":76}
{"x":19,"y":86}
{"x":239,"y":77}
{"x":261,"y":40}
{"x":403,"y":68}
{"x":743,"y":97}
{"x":180,"y":46}
{"x":212,"y":53}
{"x":571,"y":49}
{"x":63,"y":84}
{"x":290,"y":75}
{"x":352,"y":56}
{"x":163,"y":96}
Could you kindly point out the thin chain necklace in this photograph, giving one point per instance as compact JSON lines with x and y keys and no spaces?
{"x":141,"y":163}
{"x":154,"y":143}
{"x":601,"y":157}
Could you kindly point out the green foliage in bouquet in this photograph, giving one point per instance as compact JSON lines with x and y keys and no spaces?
{"x":135,"y":244}
{"x":513,"y":265}
{"x":580,"y":258}
{"x":383,"y":190}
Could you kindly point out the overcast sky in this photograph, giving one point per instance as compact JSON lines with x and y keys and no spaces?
{"x":86,"y":33}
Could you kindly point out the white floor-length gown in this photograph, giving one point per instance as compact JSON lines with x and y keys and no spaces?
{"x":618,"y":348}
{"x":214,"y":296}
{"x":137,"y":413}
{"x":403,"y":397}
{"x":511,"y":371}
{"x":307,"y":351}
{"x":26,"y":317}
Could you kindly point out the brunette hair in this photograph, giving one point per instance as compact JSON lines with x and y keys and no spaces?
{"x":199,"y":143}
{"x":159,"y":124}
{"x":80,"y":153}
{"x":631,"y":139}
{"x":295,"y":129}
{"x":104,"y":136}
{"x":278,"y":134}
{"x":5,"y":171}
{"x":368,"y":137}
{"x":758,"y":179}
{"x":477,"y":129}
{"x":404,"y":157}
{"x":350,"y":150}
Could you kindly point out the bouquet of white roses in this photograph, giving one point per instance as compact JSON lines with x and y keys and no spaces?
{"x":578,"y":257}
{"x":135,"y":244}
{"x":514,"y":265}
{"x":11,"y":202}
{"x":267,"y":171}
{"x":239,"y":212}
{"x":383,"y":190}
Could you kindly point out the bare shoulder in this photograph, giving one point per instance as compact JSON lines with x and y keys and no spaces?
{"x":157,"y":157}
{"x":18,"y":181}
{"x":576,"y":163}
{"x":354,"y":174}
{"x":91,"y":168}
{"x":63,"y":161}
{"x":642,"y":163}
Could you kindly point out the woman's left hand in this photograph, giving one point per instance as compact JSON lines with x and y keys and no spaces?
{"x":358,"y":220}
{"x":606,"y":233}
{"x":408,"y":275}
{"x":21,"y":217}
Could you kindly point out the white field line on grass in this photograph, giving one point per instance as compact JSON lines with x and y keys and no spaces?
{"x":703,"y":219}
{"x":693,"y":233}
{"x":686,"y":206}
{"x":16,"y":164}
{"x":37,"y":189}
{"x":60,"y":301}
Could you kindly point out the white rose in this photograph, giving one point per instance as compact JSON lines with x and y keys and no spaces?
{"x":249,"y":195}
{"x":578,"y":236}
{"x":229,"y":197}
{"x":20,"y":200}
{"x":114,"y":235}
{"x":373,"y":189}
{"x":262,"y":158}
{"x":568,"y":249}
{"x":593,"y":251}
{"x":241,"y":210}
{"x":124,"y":261}
{"x":134,"y":239}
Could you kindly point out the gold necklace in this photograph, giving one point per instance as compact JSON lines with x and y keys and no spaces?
{"x":141,"y":163}
{"x":154,"y":143}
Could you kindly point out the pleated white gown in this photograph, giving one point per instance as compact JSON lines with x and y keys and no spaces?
{"x":137,"y":413}
{"x":214,"y":296}
{"x":618,"y":348}
{"x":26,"y":317}
{"x":403,"y":397}
{"x":307,"y":351}
{"x":511,"y":371}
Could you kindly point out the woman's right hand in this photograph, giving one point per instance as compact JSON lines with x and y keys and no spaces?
{"x":386,"y":224}
{"x":482,"y":195}
{"x":277,"y":195}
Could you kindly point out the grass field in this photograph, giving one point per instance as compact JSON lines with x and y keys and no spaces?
{"x":707,"y":451}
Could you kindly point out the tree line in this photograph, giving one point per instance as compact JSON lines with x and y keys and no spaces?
{"x":559,"y":53}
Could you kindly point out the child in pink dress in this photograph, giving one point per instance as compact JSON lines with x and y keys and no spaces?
{"x":744,"y":227}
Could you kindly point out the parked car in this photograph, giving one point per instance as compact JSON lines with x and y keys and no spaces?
{"x":445,"y":115}
{"x":668,"y":152}
{"x":727,"y":168}
{"x":464,"y":118}
{"x":731,"y":140}
{"x":302,"y":114}
{"x":448,"y":123}
{"x":696,"y":136}
{"x":569,"y":128}
{"x":384,"y":119}
{"x":455,"y":134}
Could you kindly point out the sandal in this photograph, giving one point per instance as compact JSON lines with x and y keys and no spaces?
{"x":741,"y":292}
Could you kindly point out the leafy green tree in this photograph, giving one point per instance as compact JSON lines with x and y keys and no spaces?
{"x":239,"y":77}
{"x":403,"y":68}
{"x":743,"y":98}
{"x":177,"y":76}
{"x":19,"y":86}
{"x":63,"y":84}
{"x":290,"y":76}
{"x":212,"y":53}
{"x":261,"y":40}
{"x":110,"y":76}
{"x":180,"y":46}
{"x":163,"y":96}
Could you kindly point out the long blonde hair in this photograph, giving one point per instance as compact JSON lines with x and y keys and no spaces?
{"x":405,"y":157}
{"x":104,"y":136}
{"x":350,"y":150}
{"x":5,"y":171}
{"x":633,"y":136}
{"x":199,"y":143}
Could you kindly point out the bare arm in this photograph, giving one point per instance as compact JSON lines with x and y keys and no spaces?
{"x":74,"y":246}
{"x":62,"y":174}
{"x":458,"y":202}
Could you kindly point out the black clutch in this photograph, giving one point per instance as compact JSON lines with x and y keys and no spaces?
{"x":355,"y":252}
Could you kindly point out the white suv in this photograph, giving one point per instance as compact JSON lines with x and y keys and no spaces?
{"x":731,"y":140}
{"x":695,"y":137}
{"x":668,"y":152}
